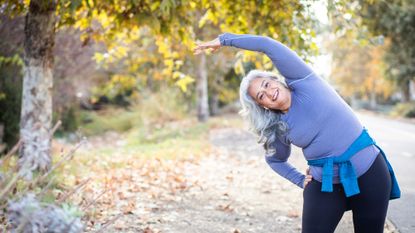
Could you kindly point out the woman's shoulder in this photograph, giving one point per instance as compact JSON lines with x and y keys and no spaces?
{"x":294,"y":82}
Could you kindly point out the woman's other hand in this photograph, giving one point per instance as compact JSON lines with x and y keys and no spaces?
{"x":213,"y":44}
{"x":308,"y":177}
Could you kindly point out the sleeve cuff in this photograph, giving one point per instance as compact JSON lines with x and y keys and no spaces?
{"x":223,"y":40}
{"x":301,"y":184}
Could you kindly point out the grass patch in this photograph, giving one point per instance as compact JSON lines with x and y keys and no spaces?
{"x":152,"y":109}
{"x":404,"y":110}
{"x":111,"y":119}
{"x":170,"y":140}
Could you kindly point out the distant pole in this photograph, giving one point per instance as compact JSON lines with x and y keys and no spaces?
{"x":202,"y":90}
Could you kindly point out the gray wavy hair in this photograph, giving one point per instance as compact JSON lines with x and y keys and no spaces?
{"x":266,"y":123}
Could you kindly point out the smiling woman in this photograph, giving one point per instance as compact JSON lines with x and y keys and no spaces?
{"x":348,"y":171}
{"x":260,"y":109}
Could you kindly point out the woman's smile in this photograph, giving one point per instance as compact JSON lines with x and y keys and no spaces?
{"x":275,"y":95}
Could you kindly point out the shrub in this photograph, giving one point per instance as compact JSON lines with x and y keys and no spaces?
{"x":404,"y":110}
{"x":29,"y":215}
{"x":24,"y":201}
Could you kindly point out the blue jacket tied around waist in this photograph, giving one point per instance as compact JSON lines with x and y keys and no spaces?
{"x":346,"y":170}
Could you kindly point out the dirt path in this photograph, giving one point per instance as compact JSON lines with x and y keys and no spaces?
{"x":232,"y":190}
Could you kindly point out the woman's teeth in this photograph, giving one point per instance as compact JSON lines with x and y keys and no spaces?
{"x":275,"y":95}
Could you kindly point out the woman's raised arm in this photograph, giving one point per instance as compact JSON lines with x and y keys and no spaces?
{"x":288,"y":63}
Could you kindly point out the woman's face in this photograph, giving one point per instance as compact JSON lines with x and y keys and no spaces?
{"x":270,"y":93}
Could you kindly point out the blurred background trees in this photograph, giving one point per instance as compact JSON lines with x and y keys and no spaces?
{"x":140,"y":47}
{"x":372,"y":47}
{"x":135,"y":57}
{"x":396,"y":21}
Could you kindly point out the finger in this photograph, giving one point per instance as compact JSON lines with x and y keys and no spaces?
{"x":198,"y":47}
{"x":200,"y":42}
{"x":197,"y":51}
{"x":201,"y":48}
{"x":307,"y":171}
{"x":203,"y":44}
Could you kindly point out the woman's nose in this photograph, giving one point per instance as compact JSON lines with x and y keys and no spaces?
{"x":269,"y":92}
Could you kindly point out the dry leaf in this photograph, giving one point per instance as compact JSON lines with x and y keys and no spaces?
{"x":148,"y":230}
{"x":226,"y":208}
{"x":120,"y":224}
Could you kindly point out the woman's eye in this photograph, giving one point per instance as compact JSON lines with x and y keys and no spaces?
{"x":266,"y":85}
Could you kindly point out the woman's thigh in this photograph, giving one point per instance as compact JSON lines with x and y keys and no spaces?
{"x":370,"y":205}
{"x":322,"y":211}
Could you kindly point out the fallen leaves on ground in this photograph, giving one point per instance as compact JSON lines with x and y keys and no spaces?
{"x":119,"y":190}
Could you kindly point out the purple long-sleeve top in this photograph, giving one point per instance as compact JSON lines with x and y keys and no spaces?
{"x":319,"y":120}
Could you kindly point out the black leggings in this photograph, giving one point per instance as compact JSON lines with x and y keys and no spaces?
{"x":322,"y":211}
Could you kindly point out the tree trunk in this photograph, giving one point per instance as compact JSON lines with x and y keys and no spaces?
{"x":202,"y":91}
{"x":213,"y":89}
{"x":353,"y":101}
{"x":372,"y":100}
{"x":214,"y":103}
{"x":36,"y":114}
{"x":2,"y":145}
{"x":406,"y":93}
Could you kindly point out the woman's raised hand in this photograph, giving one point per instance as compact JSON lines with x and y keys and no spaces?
{"x":213,"y":44}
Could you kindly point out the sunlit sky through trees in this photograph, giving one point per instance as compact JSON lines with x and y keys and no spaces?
{"x":321,"y":63}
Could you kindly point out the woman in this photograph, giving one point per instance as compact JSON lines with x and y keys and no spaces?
{"x":348,"y":171}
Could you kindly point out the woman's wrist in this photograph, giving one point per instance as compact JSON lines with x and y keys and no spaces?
{"x":222,"y":39}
